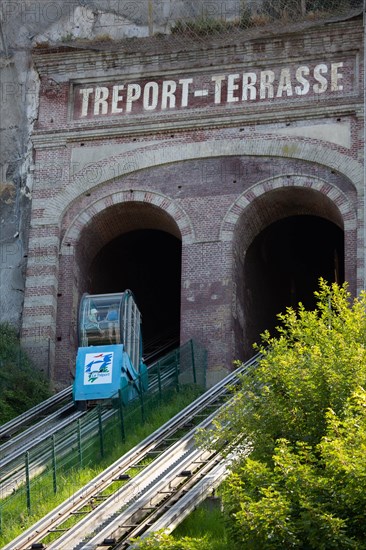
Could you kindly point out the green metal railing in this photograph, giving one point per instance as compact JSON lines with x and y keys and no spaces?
{"x":85,"y":442}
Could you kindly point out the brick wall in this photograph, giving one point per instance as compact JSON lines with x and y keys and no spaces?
{"x":213,"y":177}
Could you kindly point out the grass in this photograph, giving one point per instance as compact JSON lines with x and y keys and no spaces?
{"x":206,"y":520}
{"x":22,"y":385}
{"x":203,"y":529}
{"x":14,"y":518}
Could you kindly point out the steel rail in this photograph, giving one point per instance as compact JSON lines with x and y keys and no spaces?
{"x":16,"y":424}
{"x":167,"y":499}
{"x":189,"y":500}
{"x":185,"y":504}
{"x":151,"y":503}
{"x":32,"y":440}
{"x":147,"y":483}
{"x":131,"y":459}
{"x":12,"y":467}
{"x":32,"y":436}
{"x":13,"y":473}
{"x":101,"y":482}
{"x":78,"y":500}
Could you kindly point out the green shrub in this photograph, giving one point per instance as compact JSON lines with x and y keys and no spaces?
{"x":22,"y":385}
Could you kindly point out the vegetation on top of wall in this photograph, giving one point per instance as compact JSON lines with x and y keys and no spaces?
{"x":202,"y":26}
{"x":269,"y":12}
{"x":22,"y":385}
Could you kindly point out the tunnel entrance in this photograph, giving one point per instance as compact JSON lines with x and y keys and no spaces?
{"x":148,"y":262}
{"x":283,"y":266}
{"x":284,"y":241}
{"x":136,"y":246}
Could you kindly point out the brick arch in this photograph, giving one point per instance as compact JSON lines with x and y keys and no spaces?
{"x":340,"y":200}
{"x":119,"y":165}
{"x":255,"y":210}
{"x":184,"y":227}
{"x":88,"y":231}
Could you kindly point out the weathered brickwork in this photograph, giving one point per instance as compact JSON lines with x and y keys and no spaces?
{"x":213,"y":170}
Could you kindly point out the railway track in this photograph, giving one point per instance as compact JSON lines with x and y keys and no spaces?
{"x":174,"y":474}
{"x":29,"y":432}
{"x":175,"y":512}
{"x":156,"y":348}
{"x":129,"y":496}
{"x":25,"y":421}
{"x":13,"y":474}
{"x":18,"y":445}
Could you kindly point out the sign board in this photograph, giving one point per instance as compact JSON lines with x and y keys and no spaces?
{"x":98,"y":368}
{"x":128,"y":97}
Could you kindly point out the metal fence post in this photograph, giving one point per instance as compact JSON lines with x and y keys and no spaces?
{"x":27,"y":482}
{"x":141,"y":392}
{"x":193,"y":364}
{"x":159,"y":380}
{"x":101,"y":440}
{"x":177,"y":369}
{"x":80,"y":447}
{"x":54,"y":473}
{"x":123,"y":431}
{"x":204,"y":368}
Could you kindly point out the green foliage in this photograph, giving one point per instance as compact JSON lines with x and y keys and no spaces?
{"x":316,"y":362}
{"x":22,"y":385}
{"x":310,"y":497}
{"x":204,"y":529}
{"x":304,"y":412}
{"x":161,"y":540}
{"x":204,"y":520}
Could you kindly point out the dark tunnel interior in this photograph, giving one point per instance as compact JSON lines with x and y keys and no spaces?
{"x":283,"y":266}
{"x":148,"y":262}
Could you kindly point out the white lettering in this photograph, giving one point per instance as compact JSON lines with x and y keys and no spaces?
{"x":249,"y":82}
{"x":218,"y":80}
{"x":335,"y":76}
{"x":323,"y":83}
{"x":305,"y":86}
{"x":100,"y":100}
{"x":116,"y":98}
{"x":266,"y":85}
{"x":85,"y":92}
{"x":284,"y":84}
{"x":185,"y":82}
{"x":168,"y":94}
{"x":231,"y":88}
{"x":151,"y":96}
{"x":133,"y":94}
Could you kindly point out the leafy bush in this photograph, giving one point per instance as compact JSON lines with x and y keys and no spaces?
{"x":161,"y":540}
{"x":22,"y":385}
{"x":311,"y":498}
{"x":304,"y":412}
